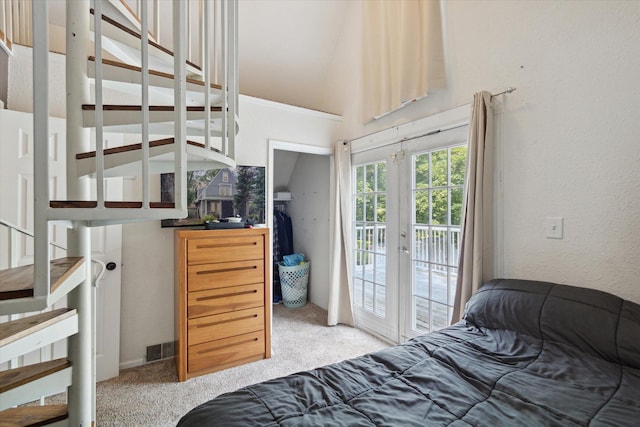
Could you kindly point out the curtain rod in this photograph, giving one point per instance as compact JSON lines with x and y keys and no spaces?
{"x":411,"y":138}
{"x":493,"y":95}
{"x":506,"y":91}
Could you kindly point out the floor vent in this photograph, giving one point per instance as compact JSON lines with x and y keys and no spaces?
{"x":160,"y":351}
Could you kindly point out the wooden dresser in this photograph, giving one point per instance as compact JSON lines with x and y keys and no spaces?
{"x":221,"y":303}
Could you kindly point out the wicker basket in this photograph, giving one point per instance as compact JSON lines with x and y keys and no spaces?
{"x":294,"y":280}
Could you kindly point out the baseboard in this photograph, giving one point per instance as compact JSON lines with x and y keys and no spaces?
{"x":131,"y":363}
{"x":139,"y":362}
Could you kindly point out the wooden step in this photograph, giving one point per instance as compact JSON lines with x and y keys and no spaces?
{"x":124,"y":38}
{"x":29,"y":383}
{"x":14,"y":378}
{"x":33,"y":416}
{"x":134,"y":147}
{"x":120,"y":115}
{"x":195,"y":127}
{"x":126,"y":160}
{"x":192,"y":83}
{"x":89,"y":204}
{"x":165,"y":108}
{"x":123,"y":13}
{"x":21,"y":336}
{"x":18,"y":282}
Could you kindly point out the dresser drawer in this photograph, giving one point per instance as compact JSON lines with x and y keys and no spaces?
{"x":216,"y":301}
{"x":201,"y":277}
{"x":226,"y":350}
{"x":225,"y":249}
{"x":209,"y":328}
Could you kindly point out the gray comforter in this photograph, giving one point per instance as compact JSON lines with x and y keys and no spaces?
{"x":527,"y":353}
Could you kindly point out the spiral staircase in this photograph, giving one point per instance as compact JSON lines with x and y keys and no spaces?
{"x":183,"y":121}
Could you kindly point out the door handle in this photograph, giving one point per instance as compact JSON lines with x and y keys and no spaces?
{"x":111,"y":266}
{"x":403,"y":249}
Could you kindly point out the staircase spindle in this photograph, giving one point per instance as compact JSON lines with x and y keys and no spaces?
{"x":156,"y":20}
{"x":206,"y":69}
{"x":40,"y":17}
{"x":232,"y":71}
{"x":98,"y":112}
{"x":180,"y":101}
{"x":145,"y":105}
{"x":224,"y":88}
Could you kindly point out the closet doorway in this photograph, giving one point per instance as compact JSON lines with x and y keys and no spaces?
{"x":306,"y":172}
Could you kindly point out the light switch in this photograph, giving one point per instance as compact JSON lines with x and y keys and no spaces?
{"x":555,"y":227}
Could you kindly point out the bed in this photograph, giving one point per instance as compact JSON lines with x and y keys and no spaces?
{"x":526,"y":353}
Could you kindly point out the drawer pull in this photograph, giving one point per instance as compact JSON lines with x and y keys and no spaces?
{"x":254,"y":291}
{"x":211,"y":350}
{"x":225,"y":245}
{"x":224,"y":270}
{"x":221,"y":322}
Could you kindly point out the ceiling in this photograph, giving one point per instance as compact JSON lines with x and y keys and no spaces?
{"x":286,"y":48}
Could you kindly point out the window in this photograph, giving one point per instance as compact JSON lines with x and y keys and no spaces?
{"x":225,"y":190}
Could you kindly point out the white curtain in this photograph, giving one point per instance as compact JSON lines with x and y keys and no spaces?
{"x":475,"y":265}
{"x":402,"y":53}
{"x":339,"y":307}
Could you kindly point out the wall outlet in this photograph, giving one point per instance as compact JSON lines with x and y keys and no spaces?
{"x":554,"y":227}
{"x":154,"y":352}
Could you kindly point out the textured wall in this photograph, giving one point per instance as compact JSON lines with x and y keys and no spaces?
{"x":570,"y":131}
{"x":20,"y":90}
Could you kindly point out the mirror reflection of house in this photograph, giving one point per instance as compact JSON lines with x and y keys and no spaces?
{"x":216,"y":197}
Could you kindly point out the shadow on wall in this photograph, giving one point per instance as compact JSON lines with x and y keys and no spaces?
{"x":4,"y":77}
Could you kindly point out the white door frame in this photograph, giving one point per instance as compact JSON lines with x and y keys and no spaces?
{"x":298,"y":147}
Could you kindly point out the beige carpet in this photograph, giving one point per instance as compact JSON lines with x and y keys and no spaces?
{"x":150,"y":395}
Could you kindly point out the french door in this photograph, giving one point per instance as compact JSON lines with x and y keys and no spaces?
{"x":407,"y":200}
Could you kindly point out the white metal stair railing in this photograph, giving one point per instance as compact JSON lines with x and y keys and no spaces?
{"x":10,"y":306}
{"x":6,"y":28}
{"x":76,"y":322}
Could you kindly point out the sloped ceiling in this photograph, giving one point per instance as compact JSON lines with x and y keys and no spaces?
{"x":286,"y":49}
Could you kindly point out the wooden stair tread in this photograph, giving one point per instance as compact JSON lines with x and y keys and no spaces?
{"x":17,"y":377}
{"x":66,"y":204}
{"x":19,"y":328}
{"x":33,"y":416}
{"x":151,"y":72}
{"x":118,"y":107}
{"x":139,"y":36}
{"x":133,"y":147}
{"x":18,"y":282}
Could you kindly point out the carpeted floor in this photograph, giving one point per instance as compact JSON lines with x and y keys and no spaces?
{"x":151,"y":395}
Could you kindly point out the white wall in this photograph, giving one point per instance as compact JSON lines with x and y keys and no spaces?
{"x":570,"y":131}
{"x":147,"y":271}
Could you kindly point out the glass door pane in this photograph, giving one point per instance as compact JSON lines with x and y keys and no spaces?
{"x":370,"y":238}
{"x":375,"y":255}
{"x":432,"y":191}
{"x":437,"y":185}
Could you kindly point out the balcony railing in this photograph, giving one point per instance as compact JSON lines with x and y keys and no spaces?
{"x":436,"y":245}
